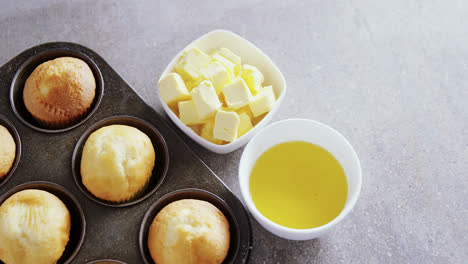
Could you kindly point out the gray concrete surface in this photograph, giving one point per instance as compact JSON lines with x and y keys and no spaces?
{"x":391,"y":76}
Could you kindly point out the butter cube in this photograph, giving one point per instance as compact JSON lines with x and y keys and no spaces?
{"x":228,"y":109}
{"x":192,"y":84}
{"x":244,"y":125}
{"x":245,"y":109}
{"x":188,"y":114}
{"x":233,"y":58}
{"x":217,"y":74}
{"x":263,"y":101}
{"x":253,"y":77}
{"x":237,"y":94}
{"x":205,"y":99}
{"x":207,"y":132}
{"x":191,"y":62}
{"x":230,"y":55}
{"x":172,"y":88}
{"x":226,"y":125}
{"x":229,"y":65}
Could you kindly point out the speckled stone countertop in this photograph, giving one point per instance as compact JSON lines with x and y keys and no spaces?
{"x":390,"y":76}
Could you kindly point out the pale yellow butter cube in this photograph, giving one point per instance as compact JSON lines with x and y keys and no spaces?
{"x":229,"y":65}
{"x":226,"y":125}
{"x":191,"y":62}
{"x":237,"y":94}
{"x":245,"y":109}
{"x":205,"y":99}
{"x":233,"y":58}
{"x":253,"y":77}
{"x":172,"y":88}
{"x":188,"y":114}
{"x":244,"y":125}
{"x":207,"y":132}
{"x":228,"y":54}
{"x":217,"y":74}
{"x":263,"y":101}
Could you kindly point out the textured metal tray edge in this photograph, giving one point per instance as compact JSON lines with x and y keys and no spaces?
{"x":23,"y":56}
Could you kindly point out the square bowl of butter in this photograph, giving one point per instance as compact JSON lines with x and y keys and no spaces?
{"x":221,"y":90}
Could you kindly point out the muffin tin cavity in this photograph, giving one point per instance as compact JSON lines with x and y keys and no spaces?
{"x":77,"y":217}
{"x":233,"y":255}
{"x":161,"y":163}
{"x":106,"y":261}
{"x":14,"y":133}
{"x":23,"y":72}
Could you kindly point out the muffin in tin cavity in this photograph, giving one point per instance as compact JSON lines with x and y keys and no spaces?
{"x":56,"y":90}
{"x":10,"y":149}
{"x":120,"y":161}
{"x":40,"y":222}
{"x":34,"y":228}
{"x":195,"y":231}
{"x":7,"y":151}
{"x":117,"y":162}
{"x":195,"y":225}
{"x":59,"y":92}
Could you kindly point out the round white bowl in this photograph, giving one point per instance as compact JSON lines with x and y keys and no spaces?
{"x":249,"y":54}
{"x":300,"y":130}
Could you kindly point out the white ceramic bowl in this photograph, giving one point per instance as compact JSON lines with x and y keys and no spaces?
{"x":300,"y":130}
{"x":249,"y":54}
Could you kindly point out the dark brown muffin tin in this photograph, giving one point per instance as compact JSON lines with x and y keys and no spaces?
{"x":111,"y":232}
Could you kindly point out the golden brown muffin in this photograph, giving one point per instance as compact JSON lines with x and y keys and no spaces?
{"x":189,"y":231}
{"x":34,"y":228}
{"x":117,"y":162}
{"x":60,"y":92}
{"x":7,"y":151}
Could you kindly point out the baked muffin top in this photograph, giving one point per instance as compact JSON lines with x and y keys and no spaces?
{"x":7,"y":151}
{"x":189,"y":231}
{"x":59,"y":90}
{"x":34,"y":228}
{"x":117,"y":162}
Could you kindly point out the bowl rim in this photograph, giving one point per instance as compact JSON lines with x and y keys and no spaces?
{"x":142,"y":244}
{"x":37,"y":185}
{"x":16,"y":137}
{"x":222,"y":149}
{"x":267,"y":223}
{"x":80,"y":145}
{"x":71,"y":53}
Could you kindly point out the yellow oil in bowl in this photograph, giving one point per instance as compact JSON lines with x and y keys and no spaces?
{"x":298,"y":185}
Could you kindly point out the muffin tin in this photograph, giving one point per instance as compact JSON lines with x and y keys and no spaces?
{"x":48,"y":156}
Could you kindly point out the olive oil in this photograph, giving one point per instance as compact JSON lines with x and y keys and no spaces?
{"x":298,"y":185}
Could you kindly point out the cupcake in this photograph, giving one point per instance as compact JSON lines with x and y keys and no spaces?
{"x":189,"y":231}
{"x":59,"y":92}
{"x":117,"y":162}
{"x":7,"y":151}
{"x":34,"y":228}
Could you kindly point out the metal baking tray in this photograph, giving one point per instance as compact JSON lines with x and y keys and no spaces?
{"x":112,"y":232}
